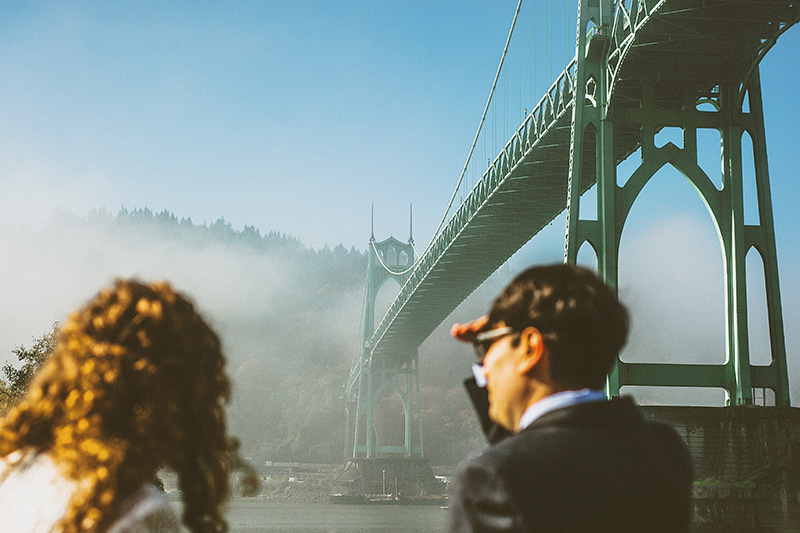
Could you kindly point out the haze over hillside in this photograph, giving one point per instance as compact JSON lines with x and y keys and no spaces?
{"x":289,"y":315}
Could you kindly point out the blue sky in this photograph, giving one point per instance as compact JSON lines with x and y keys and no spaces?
{"x":289,"y":117}
{"x":296,"y":116}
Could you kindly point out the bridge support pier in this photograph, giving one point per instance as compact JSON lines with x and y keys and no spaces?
{"x":746,"y":463}
{"x":382,"y":480}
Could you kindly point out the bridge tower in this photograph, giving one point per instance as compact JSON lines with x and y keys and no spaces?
{"x":375,"y":468}
{"x":373,"y":379}
{"x":713,"y":90}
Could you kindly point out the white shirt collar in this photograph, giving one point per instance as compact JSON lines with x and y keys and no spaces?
{"x":557,"y":401}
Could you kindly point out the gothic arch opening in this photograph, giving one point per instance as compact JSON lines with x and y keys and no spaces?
{"x":671,"y":276}
{"x":391,"y":257}
{"x":587,"y":256}
{"x":760,"y":347}
{"x":588,"y":206}
{"x":669,"y":135}
{"x":709,"y":154}
{"x":386,"y":295}
{"x":706,"y":104}
{"x":389,"y":418}
{"x":751,"y":215}
{"x":589,"y":166}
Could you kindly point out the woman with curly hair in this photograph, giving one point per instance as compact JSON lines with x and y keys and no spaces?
{"x":136,"y":382}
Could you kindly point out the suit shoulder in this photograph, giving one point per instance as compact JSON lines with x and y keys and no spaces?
{"x":523,"y":450}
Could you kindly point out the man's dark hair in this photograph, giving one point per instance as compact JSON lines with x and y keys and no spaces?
{"x":583,"y":324}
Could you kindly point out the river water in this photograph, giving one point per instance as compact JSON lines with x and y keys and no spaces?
{"x":254,"y":516}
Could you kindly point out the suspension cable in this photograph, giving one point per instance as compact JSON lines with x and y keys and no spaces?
{"x":566,"y":32}
{"x":389,"y":270}
{"x":466,"y":164}
{"x":533,"y":54}
{"x":519,"y":76}
{"x":477,"y":134}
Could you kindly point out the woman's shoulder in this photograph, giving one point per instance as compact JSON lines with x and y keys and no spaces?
{"x":147,"y":511}
{"x":33,"y":493}
{"x":34,"y":496}
{"x":24,"y":468}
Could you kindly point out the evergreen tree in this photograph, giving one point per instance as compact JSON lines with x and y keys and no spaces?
{"x":14,"y":385}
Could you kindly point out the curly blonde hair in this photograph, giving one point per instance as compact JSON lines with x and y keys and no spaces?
{"x":136,"y":382}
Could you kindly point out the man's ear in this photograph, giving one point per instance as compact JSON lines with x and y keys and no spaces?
{"x":534,"y":351}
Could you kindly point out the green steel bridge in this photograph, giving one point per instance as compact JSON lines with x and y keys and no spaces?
{"x":639,"y":66}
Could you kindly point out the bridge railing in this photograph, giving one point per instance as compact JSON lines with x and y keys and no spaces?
{"x":557,"y":100}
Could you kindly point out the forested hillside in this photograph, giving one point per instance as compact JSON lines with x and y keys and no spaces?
{"x":289,"y":318}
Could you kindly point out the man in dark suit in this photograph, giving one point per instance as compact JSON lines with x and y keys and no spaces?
{"x":571,"y":460}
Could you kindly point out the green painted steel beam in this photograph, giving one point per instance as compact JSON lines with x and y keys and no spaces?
{"x":671,"y":375}
{"x":664,"y":58}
